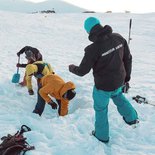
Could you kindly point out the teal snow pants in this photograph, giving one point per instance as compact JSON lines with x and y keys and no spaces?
{"x":101,"y":101}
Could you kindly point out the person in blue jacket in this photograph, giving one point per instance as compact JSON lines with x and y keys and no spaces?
{"x":110,"y":58}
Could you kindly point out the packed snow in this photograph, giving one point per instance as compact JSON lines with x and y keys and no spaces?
{"x":62,"y":39}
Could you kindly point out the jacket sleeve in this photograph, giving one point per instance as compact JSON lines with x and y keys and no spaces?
{"x":44,"y":91}
{"x":64,"y":107}
{"x":25,"y":49}
{"x":127,"y":59}
{"x":22,"y":50}
{"x":23,"y":65}
{"x":29,"y":82}
{"x":28,"y":77}
{"x":87,"y":62}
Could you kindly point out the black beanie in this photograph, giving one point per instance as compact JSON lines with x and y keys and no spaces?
{"x":70,"y":94}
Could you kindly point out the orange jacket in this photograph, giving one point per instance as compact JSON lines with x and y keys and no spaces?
{"x":54,"y":86}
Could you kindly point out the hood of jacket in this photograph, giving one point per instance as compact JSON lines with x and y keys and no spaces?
{"x":67,"y":86}
{"x":99,"y":32}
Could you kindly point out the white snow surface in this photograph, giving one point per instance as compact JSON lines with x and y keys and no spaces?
{"x":62,"y":39}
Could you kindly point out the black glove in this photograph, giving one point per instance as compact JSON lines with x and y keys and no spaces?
{"x":18,"y":65}
{"x":21,"y":65}
{"x":126,"y":87}
{"x":53,"y":105}
{"x":71,"y":67}
{"x":31,"y":92}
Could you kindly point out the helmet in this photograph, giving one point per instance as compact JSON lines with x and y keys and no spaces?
{"x":29,"y":55}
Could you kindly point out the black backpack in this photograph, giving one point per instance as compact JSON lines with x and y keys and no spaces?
{"x":15,"y":144}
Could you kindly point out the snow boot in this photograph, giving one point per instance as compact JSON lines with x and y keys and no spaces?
{"x":103,"y":141}
{"x":133,"y":123}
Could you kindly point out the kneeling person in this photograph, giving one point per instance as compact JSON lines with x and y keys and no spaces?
{"x":56,"y":87}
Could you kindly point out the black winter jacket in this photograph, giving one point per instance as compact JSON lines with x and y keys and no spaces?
{"x":109,"y":57}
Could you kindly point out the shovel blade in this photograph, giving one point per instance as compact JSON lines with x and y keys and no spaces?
{"x":15,"y":78}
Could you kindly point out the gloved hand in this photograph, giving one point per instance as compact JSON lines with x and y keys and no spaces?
{"x":126,"y":87}
{"x":31,"y":92}
{"x":53,"y":105}
{"x":127,"y":79}
{"x":18,"y":65}
{"x":18,"y":54}
{"x":71,"y":67}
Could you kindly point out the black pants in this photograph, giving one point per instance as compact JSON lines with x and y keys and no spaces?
{"x":40,"y":105}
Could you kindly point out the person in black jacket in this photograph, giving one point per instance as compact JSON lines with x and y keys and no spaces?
{"x":31,"y":54}
{"x":110,"y":58}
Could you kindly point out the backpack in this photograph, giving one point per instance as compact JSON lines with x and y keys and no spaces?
{"x":15,"y":144}
{"x":40,"y":67}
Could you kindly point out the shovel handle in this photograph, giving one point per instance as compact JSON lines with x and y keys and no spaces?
{"x":18,"y":63}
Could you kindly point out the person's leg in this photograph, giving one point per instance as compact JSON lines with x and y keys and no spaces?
{"x":123,"y":106}
{"x":101,"y":101}
{"x":40,"y":105}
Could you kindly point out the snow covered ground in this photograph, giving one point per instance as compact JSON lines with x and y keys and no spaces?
{"x":61,"y":39}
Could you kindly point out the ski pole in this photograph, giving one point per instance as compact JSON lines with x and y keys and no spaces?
{"x":130,"y":23}
{"x":126,"y":85}
{"x":139,"y":99}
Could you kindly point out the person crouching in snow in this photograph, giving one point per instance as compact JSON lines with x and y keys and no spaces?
{"x":38,"y":69}
{"x":56,"y":87}
{"x":31,"y":54}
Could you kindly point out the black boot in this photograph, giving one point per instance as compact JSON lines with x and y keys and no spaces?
{"x":132,"y":122}
{"x":36,"y":112}
{"x":103,"y":141}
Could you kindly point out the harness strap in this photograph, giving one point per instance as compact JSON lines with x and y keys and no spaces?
{"x":40,"y":67}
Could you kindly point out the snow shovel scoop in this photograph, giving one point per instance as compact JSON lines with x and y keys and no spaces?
{"x":16,"y":76}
